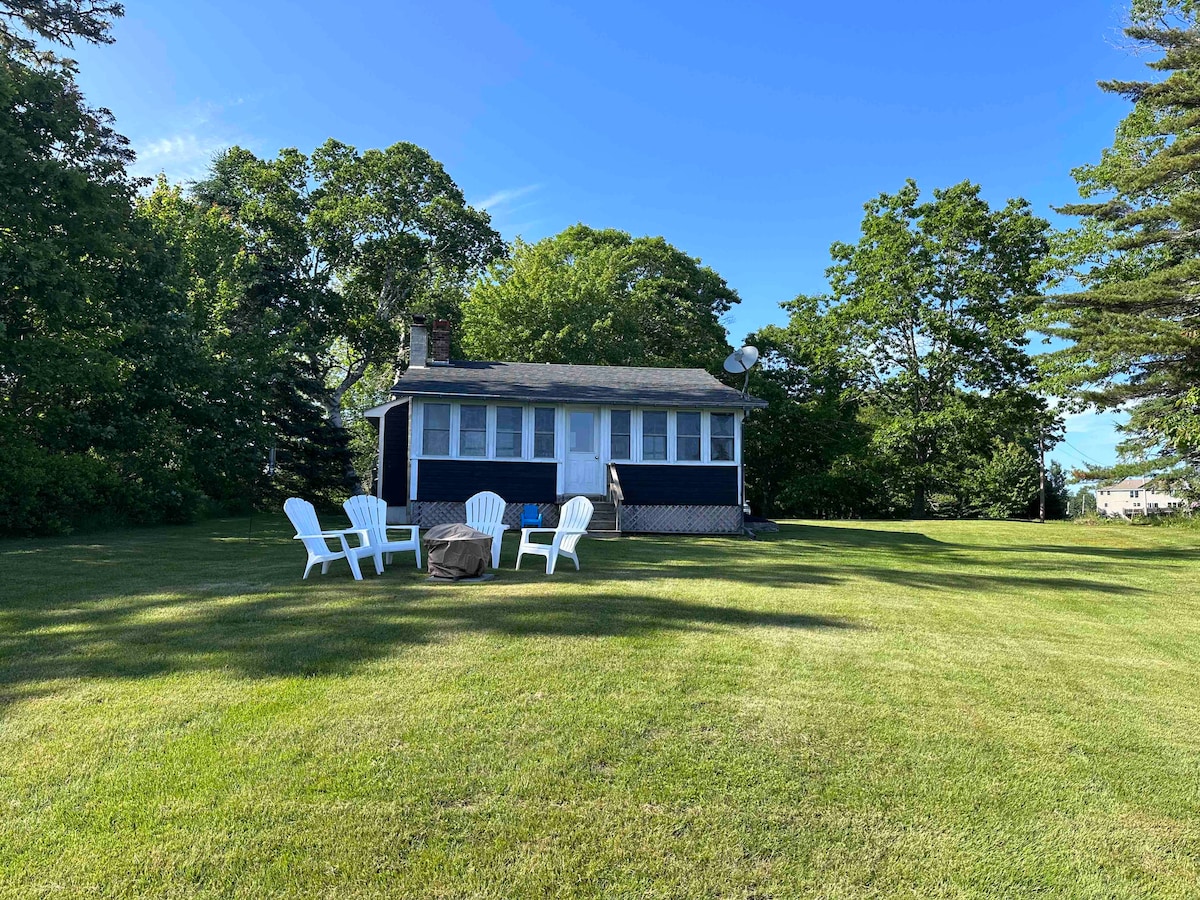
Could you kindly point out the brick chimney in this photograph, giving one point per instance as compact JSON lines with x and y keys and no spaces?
{"x":418,"y":344}
{"x":439,"y":348}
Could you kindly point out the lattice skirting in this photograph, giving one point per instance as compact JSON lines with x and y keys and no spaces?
{"x":682,"y":519}
{"x":428,"y":513}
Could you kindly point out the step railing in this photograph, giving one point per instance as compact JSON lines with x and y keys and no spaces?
{"x":615,"y":495}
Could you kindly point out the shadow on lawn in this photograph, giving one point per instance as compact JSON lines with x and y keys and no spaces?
{"x":206,"y":598}
{"x":293,"y":631}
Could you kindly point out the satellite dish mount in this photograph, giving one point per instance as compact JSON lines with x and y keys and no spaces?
{"x":740,"y":362}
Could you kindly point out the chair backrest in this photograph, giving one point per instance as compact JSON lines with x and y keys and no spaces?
{"x":486,"y":508}
{"x":574,"y":516}
{"x":304,"y":519}
{"x":531,"y":516}
{"x":365,"y":511}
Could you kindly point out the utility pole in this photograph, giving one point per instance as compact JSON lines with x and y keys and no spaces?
{"x":1042,"y":477}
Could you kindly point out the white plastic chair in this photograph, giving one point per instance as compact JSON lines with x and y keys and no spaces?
{"x":308,"y":530}
{"x":370,"y":513}
{"x":485,"y":512}
{"x":573,"y":521}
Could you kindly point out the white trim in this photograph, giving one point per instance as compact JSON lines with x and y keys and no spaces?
{"x":376,"y":412}
{"x":379,"y":459}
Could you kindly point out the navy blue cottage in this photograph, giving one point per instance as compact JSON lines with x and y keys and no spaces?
{"x":663,"y":446}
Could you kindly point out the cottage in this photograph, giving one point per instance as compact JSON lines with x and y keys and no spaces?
{"x":1136,"y":497}
{"x":660,"y":450}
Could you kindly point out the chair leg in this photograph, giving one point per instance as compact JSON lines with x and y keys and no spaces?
{"x":354,"y":569}
{"x":378,"y":563}
{"x":551,"y":561}
{"x":417,"y":550}
{"x":389,"y":559}
{"x":324,"y":568}
{"x":308,"y":568}
{"x":519,"y":555}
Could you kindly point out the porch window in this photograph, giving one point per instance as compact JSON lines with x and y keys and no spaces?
{"x":687,"y":436}
{"x":654,"y":435}
{"x":508,"y":431}
{"x":721,"y":437}
{"x":435,"y":438}
{"x":472,"y":431}
{"x":619,"y":434}
{"x":543,"y":432}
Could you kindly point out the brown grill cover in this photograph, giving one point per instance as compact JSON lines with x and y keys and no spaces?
{"x":457,"y":551}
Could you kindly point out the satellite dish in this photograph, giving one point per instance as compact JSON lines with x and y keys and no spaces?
{"x":742,"y":361}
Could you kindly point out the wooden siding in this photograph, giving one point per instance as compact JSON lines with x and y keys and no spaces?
{"x":395,"y":455}
{"x":648,"y":485}
{"x":458,"y":479}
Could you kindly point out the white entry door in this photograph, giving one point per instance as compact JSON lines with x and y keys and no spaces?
{"x":584,"y":474}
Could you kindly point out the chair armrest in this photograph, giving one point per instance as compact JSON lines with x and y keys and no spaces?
{"x":364,"y":535}
{"x":525,"y":531}
{"x":330,"y":534}
{"x":411,"y":529}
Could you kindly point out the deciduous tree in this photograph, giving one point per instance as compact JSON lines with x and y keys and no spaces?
{"x":599,"y":297}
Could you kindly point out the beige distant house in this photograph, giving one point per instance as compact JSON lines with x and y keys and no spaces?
{"x":1135,"y":497}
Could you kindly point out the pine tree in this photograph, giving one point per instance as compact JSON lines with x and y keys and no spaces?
{"x":1135,"y":326}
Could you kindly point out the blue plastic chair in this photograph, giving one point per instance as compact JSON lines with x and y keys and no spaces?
{"x":531,"y":517}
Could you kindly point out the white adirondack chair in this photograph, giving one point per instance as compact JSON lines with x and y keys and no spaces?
{"x":370,"y":513}
{"x":485,"y":512}
{"x":573,"y":521}
{"x":308,"y":530}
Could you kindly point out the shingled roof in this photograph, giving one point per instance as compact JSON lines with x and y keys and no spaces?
{"x":551,"y":383}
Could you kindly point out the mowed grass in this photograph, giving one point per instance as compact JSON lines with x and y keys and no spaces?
{"x":937,"y":709}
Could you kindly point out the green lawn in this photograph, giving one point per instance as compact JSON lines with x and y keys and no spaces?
{"x":936,"y":709}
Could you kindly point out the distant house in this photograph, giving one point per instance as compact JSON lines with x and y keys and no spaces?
{"x":1135,"y":497}
{"x":658,"y":449}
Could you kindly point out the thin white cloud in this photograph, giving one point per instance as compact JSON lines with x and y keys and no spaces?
{"x":197,"y":134}
{"x":508,"y":195}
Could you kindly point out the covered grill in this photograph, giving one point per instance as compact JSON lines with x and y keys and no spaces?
{"x":457,"y":551}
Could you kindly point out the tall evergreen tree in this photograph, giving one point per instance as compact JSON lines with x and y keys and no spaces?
{"x":1135,"y":325}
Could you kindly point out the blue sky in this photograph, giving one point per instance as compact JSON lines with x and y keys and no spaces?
{"x":748,"y":134}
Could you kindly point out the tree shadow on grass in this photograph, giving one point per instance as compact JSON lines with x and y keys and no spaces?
{"x":195,"y":599}
{"x":296,"y":631}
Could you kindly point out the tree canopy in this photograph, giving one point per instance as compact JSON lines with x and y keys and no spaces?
{"x":601,"y":297}
{"x":345,"y":243}
{"x":930,"y":310}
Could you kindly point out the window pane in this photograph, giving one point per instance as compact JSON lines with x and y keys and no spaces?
{"x":687,"y":424}
{"x":472,"y":431}
{"x":721,"y":444}
{"x":654,"y":423}
{"x":473,"y":418}
{"x":437,"y":443}
{"x":581,"y":433}
{"x":508,"y":431}
{"x":687,"y":448}
{"x":654,"y":435}
{"x":543,"y":432}
{"x":619,"y":433}
{"x":508,"y":418}
{"x":435,"y":439}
